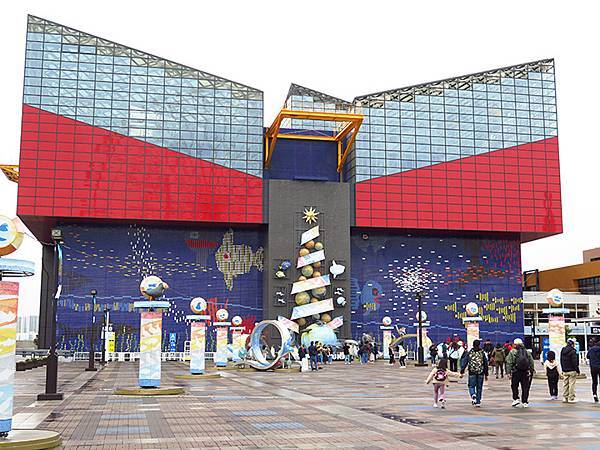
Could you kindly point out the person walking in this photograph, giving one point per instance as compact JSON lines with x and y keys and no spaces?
{"x":553,"y":374}
{"x":402,"y":356}
{"x":475,"y":360}
{"x":373,"y":356}
{"x":433,"y":353}
{"x":499,"y":358}
{"x":520,"y":369}
{"x":313,"y":354}
{"x":392,"y":355}
{"x":593,"y":354}
{"x":454,"y":356}
{"x":569,"y":363}
{"x":488,"y":348}
{"x":439,"y":375}
{"x":346,"y":353}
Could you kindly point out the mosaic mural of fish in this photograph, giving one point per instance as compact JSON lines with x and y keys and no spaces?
{"x":237,"y":259}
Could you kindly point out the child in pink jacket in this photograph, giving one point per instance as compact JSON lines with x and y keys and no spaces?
{"x":439,"y":376}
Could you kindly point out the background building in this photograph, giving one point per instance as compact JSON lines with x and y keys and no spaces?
{"x":151,"y":167}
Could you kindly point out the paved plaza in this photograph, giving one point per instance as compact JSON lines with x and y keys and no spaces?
{"x":372,"y":406}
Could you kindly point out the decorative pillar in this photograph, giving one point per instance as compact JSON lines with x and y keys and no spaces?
{"x":471,"y":323}
{"x":222,"y":328}
{"x":150,"y":341}
{"x":197,"y":343}
{"x":556,"y":320}
{"x":9,"y":298}
{"x":387,"y":335}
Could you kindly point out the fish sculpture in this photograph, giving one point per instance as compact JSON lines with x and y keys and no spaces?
{"x":236,"y":259}
{"x":336,"y":269}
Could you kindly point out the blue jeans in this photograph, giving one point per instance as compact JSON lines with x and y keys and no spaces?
{"x":314,"y":362}
{"x":476,"y":386}
{"x":364,"y":358}
{"x":347,"y":358}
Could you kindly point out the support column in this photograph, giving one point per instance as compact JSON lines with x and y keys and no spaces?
{"x":220,"y":357}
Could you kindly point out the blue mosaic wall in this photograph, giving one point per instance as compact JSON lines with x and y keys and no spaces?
{"x":387,"y":270}
{"x":114,"y":260}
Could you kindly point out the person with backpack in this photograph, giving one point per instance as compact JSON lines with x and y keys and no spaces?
{"x":346,"y":353}
{"x":553,"y":374}
{"x":475,"y":360}
{"x":439,"y":376}
{"x":520,"y":369}
{"x":593,"y":354}
{"x":499,"y":358}
{"x":313,"y":354}
{"x":569,"y":363}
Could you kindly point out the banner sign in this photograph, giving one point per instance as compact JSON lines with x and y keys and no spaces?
{"x":309,"y":235}
{"x":336,"y":323}
{"x":9,"y":299}
{"x":311,"y":283}
{"x":311,"y":258}
{"x":290,"y":325}
{"x":197,"y":347}
{"x":238,"y":339}
{"x":220,"y":357}
{"x":110,"y":341}
{"x":150,"y":340}
{"x":312,"y":308}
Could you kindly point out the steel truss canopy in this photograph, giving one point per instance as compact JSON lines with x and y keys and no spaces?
{"x":10,"y":171}
{"x":348,"y":126}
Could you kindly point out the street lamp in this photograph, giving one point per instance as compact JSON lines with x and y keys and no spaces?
{"x":420,"y":350}
{"x":52,"y":365}
{"x":91,"y":367}
{"x":105,"y":322}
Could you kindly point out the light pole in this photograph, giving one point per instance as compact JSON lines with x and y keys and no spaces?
{"x":91,"y":367}
{"x":105,"y":321}
{"x":52,"y":365}
{"x":420,"y":350}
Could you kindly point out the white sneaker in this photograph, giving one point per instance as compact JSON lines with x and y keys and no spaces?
{"x":525,"y":405}
{"x":443,"y":404}
{"x":574,"y":401}
{"x":515,"y":403}
{"x":477,"y":405}
{"x":565,"y":400}
{"x":435,"y":405}
{"x":473,"y":399}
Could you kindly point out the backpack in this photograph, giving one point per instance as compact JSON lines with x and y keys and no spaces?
{"x":522,"y":361}
{"x":440,"y":375}
{"x":476,"y":362}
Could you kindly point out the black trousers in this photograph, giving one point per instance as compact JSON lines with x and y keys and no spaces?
{"x":553,"y":385}
{"x":523,"y":379}
{"x":453,"y":364}
{"x":595,"y":371}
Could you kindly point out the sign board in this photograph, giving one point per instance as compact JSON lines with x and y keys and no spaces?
{"x":336,"y":322}
{"x":311,"y":283}
{"x":311,"y":258}
{"x":309,"y":235}
{"x":290,"y":325}
{"x":172,"y":342}
{"x":312,"y":308}
{"x":110,"y":341}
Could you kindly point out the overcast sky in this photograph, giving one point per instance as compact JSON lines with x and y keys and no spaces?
{"x":348,"y":48}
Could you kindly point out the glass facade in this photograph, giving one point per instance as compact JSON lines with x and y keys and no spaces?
{"x":419,"y":126}
{"x":102,"y":122}
{"x":589,"y":285}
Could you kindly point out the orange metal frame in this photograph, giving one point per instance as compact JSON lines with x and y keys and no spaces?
{"x":350,"y":130}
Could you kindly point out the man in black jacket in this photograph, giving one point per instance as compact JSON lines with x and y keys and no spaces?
{"x":313,"y":354}
{"x":569,"y":362}
{"x":593,"y":355}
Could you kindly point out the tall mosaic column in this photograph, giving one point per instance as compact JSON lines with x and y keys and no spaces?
{"x":197,"y":335}
{"x":150,"y":342}
{"x":556,"y":320}
{"x":9,"y":299}
{"x":387,"y":335}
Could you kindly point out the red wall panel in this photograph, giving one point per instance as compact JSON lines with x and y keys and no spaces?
{"x":515,"y":189}
{"x":71,"y":169}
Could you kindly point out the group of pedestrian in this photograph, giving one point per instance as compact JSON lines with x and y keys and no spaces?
{"x":367,"y":352}
{"x":317,"y":354}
